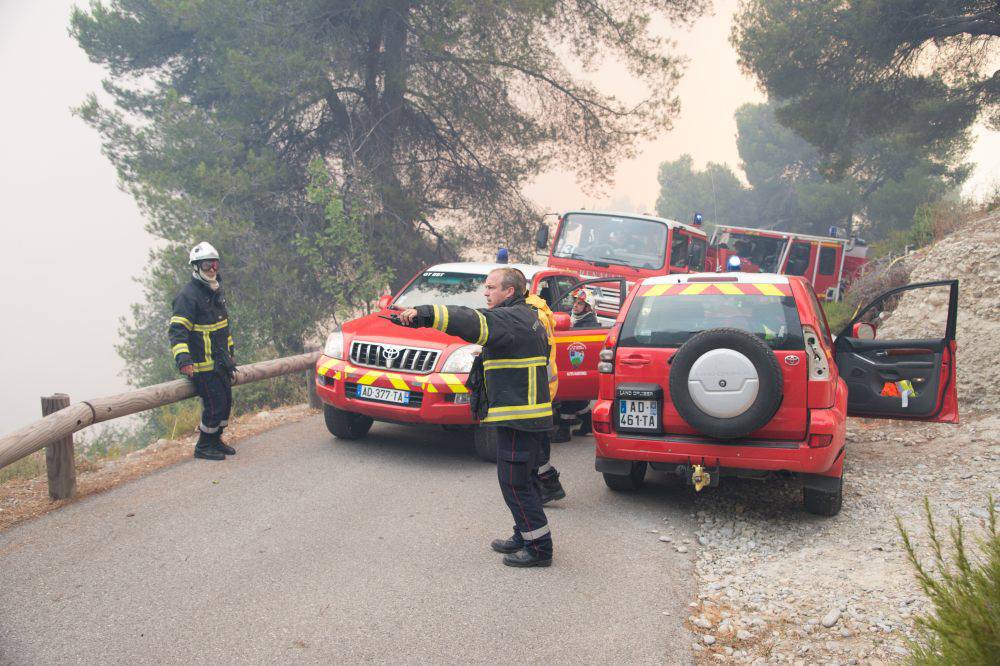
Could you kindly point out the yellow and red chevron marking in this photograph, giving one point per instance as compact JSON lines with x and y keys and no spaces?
{"x":438,"y":382}
{"x":717,"y":288}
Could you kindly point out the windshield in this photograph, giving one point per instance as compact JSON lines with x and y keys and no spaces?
{"x":612,"y":240}
{"x":763,"y":252}
{"x":444,"y":289}
{"x":669,"y":320}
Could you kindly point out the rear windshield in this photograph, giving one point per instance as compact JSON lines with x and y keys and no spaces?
{"x":444,"y":289}
{"x":669,"y":320}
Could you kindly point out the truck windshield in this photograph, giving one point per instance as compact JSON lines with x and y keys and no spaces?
{"x":669,"y":320}
{"x":444,"y":289}
{"x":764,"y":252}
{"x":612,"y":240}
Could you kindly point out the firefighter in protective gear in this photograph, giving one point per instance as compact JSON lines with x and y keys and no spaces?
{"x":547,"y":476}
{"x":202,"y":346}
{"x":509,"y":390}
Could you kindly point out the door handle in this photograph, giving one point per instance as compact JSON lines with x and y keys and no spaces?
{"x":881,"y":354}
{"x":635,"y":361}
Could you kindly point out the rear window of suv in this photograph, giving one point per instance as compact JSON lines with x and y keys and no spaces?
{"x":670,"y":320}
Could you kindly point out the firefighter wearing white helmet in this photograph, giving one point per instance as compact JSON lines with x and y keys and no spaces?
{"x":577,"y":411}
{"x":202,"y":346}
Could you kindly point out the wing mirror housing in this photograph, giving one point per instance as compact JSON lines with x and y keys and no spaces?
{"x":384,"y":302}
{"x":542,"y":237}
{"x":863,"y":331}
{"x":562,"y":321}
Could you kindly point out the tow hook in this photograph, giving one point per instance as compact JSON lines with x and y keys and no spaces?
{"x":700,"y":478}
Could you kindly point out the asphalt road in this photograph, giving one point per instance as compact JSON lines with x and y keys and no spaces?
{"x":308,"y":549}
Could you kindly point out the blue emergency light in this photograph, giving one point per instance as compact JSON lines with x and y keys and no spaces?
{"x":733,"y":264}
{"x":698,"y":218}
{"x":502,"y":256}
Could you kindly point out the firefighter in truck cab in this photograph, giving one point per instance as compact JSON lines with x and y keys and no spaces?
{"x":509,"y":391}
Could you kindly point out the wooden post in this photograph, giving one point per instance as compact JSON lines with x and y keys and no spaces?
{"x":59,"y":463}
{"x":314,"y":401}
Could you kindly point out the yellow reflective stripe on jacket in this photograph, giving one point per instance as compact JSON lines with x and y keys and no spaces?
{"x":186,"y":323}
{"x":206,"y":337}
{"x":230,"y":341}
{"x":208,"y":328}
{"x":484,"y":329}
{"x":517,"y":412}
{"x":181,"y":348}
{"x":204,"y":367}
{"x":506,"y":363}
{"x":440,"y":321}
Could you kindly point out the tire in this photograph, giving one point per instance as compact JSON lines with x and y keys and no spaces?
{"x":823,"y":503}
{"x":486,"y":443}
{"x":627,"y":482}
{"x":346,"y":425}
{"x":765,"y":363}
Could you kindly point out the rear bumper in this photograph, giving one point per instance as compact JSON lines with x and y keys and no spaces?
{"x":792,"y":456}
{"x":435,"y":399}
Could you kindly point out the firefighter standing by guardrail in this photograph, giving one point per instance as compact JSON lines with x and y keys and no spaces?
{"x":202,"y":346}
{"x":509,"y":391}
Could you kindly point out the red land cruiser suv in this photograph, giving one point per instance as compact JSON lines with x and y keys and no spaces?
{"x":735,"y":374}
{"x":373,"y":370}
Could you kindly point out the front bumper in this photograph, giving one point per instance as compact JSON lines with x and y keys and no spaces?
{"x":771,"y":456}
{"x":435,"y":398}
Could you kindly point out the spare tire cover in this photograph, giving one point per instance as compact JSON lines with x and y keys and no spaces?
{"x":725,"y":383}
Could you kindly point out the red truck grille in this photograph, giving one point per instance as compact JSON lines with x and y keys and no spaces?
{"x":393,"y":357}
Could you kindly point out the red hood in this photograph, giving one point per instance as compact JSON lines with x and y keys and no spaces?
{"x":376,"y":329}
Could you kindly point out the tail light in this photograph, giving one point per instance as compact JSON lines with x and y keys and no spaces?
{"x":820,"y":441}
{"x":819,"y":367}
{"x":599,"y":426}
{"x":607,"y":361}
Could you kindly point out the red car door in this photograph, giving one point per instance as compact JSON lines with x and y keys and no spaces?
{"x":578,"y":348}
{"x":909,"y":375}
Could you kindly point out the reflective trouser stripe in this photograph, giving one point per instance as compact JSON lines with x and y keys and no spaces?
{"x":536,"y":534}
{"x":208,"y":431}
{"x":544,"y":468}
{"x":224,"y":422}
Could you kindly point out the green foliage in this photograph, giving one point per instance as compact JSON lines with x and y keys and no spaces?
{"x":838,"y":314}
{"x":715,"y":192}
{"x":964,"y":627}
{"x":856,"y":80}
{"x":319,"y":145}
{"x":28,"y":467}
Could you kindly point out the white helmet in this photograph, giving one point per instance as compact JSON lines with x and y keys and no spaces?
{"x":203,"y":251}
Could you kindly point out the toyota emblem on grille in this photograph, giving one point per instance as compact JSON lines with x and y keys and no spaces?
{"x":390,"y":353}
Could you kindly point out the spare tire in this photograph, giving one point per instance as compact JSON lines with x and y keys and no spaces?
{"x":725,"y":383}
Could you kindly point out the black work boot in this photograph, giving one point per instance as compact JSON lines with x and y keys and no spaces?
{"x":222,"y":446}
{"x":561,"y":434}
{"x":549,"y":488}
{"x":585,"y":425}
{"x":510,"y":545}
{"x":526,"y":558}
{"x":206,"y":448}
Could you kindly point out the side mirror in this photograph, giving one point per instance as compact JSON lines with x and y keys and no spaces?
{"x":384,"y":301}
{"x":863,"y":331}
{"x":562,"y":321}
{"x":542,"y":236}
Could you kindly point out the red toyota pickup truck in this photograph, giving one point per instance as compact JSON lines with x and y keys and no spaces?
{"x":372,"y":370}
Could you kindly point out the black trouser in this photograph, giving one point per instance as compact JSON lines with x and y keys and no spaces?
{"x":518,"y":453}
{"x":216,"y":392}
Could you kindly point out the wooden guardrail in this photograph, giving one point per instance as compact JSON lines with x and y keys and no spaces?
{"x":56,"y":429}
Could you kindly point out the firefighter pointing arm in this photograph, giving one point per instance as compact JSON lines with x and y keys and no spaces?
{"x":509,"y":391}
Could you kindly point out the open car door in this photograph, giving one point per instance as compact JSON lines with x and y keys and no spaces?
{"x":578,"y":348}
{"x":911,"y":377}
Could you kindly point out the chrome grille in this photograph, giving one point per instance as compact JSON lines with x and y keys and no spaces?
{"x":406,"y":359}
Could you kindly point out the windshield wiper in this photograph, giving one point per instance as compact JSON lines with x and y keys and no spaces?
{"x":611,"y":260}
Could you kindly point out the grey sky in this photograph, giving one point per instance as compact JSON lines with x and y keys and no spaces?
{"x":72,"y":242}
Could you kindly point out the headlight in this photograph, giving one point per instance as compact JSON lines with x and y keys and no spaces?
{"x":461,"y":359}
{"x":335,"y":345}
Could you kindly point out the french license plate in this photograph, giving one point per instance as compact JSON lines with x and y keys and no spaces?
{"x":638,"y":414}
{"x":383,"y":394}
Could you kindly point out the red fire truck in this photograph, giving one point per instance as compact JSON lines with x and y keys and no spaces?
{"x":829,"y":263}
{"x":630,"y":246}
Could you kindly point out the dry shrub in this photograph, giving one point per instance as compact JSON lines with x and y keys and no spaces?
{"x":878,"y":277}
